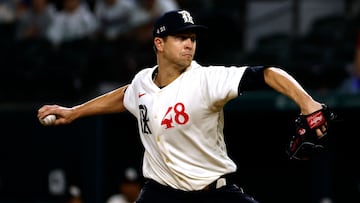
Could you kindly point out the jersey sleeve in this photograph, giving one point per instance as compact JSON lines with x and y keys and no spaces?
{"x":221,"y":83}
{"x":253,"y":79}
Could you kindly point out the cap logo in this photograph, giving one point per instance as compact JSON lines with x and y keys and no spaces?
{"x":161,"y":29}
{"x":174,"y":21}
{"x":186,"y":16}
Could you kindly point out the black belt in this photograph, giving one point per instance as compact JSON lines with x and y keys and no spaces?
{"x":218,"y":183}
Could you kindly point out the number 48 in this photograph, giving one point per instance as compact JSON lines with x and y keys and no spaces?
{"x":181,"y":117}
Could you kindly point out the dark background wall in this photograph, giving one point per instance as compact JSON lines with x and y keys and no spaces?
{"x":93,"y":152}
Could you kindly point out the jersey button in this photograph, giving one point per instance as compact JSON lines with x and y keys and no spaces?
{"x":158,"y":138}
{"x":167,"y":160}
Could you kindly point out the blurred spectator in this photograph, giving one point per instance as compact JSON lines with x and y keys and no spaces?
{"x":129,"y":188}
{"x":71,"y":34}
{"x":352,"y":83}
{"x":8,"y":15}
{"x":73,"y":22}
{"x":146,"y":13}
{"x":74,"y":195}
{"x":125,"y":55}
{"x":35,"y":20}
{"x":9,"y":10}
{"x":113,"y":42}
{"x":143,"y":18}
{"x":31,"y":40}
{"x":198,"y":6}
{"x":114,"y":17}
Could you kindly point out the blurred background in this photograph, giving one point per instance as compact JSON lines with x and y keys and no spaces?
{"x":68,"y":51}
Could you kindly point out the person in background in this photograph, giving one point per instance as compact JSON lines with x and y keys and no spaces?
{"x":144,"y":16}
{"x":9,"y":10}
{"x":74,"y":195}
{"x":128,"y":188}
{"x":74,"y":21}
{"x":351,"y":84}
{"x":113,"y":35}
{"x":31,"y":40}
{"x":35,"y":21}
{"x":142,"y":20}
{"x":73,"y":29}
{"x":114,"y":17}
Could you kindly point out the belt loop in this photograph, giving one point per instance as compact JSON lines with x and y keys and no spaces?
{"x":220,"y":182}
{"x":216,"y":184}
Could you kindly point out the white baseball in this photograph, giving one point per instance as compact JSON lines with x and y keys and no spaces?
{"x":48,"y":120}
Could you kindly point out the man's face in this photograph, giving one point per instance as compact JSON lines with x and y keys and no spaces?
{"x":180,"y":48}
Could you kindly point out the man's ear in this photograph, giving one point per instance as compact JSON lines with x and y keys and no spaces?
{"x":158,"y":42}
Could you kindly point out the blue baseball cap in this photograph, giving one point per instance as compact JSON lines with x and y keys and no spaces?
{"x":174,"y":22}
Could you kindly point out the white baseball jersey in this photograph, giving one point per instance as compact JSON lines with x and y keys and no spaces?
{"x":181,"y":125}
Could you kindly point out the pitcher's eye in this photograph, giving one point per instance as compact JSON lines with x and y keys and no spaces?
{"x":185,"y":37}
{"x":193,"y":38}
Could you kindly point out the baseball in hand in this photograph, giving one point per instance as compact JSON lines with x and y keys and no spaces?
{"x":48,"y":120}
